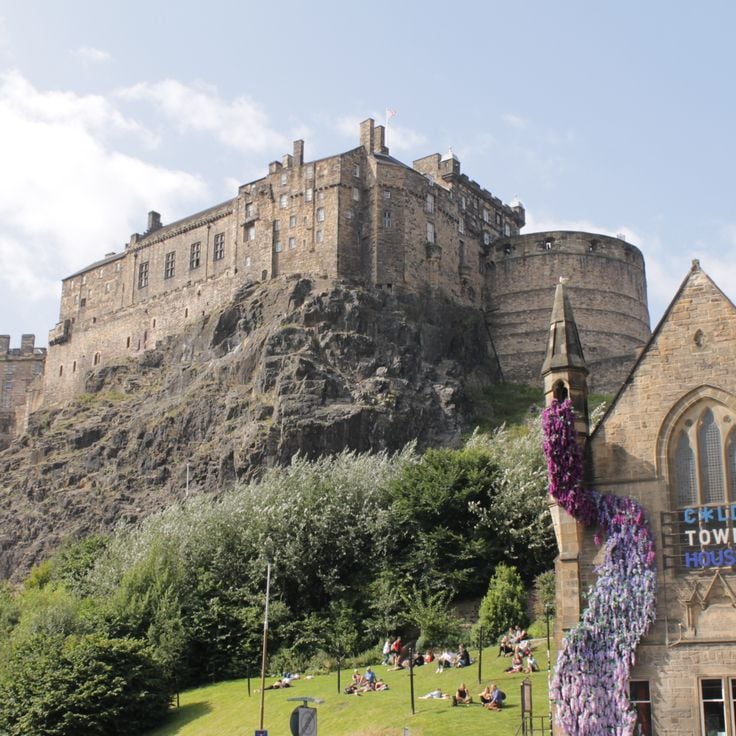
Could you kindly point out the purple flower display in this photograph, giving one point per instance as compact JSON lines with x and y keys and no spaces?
{"x":590,"y":684}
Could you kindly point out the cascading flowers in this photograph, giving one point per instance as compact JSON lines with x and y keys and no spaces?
{"x":590,"y":684}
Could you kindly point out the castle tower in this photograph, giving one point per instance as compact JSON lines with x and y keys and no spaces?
{"x":565,"y":376}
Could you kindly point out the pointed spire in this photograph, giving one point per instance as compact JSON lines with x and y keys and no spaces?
{"x":563,"y":346}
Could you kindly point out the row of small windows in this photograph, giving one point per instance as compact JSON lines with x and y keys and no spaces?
{"x":195,"y":260}
{"x":309,"y":173}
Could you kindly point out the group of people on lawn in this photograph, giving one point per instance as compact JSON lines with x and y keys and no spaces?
{"x":490,"y":697}
{"x":396,"y":656}
{"x":365,"y":683}
{"x":515,"y":644}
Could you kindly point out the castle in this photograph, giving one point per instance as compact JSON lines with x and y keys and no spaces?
{"x":367,"y":217}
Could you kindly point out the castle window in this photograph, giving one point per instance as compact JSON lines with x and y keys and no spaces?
{"x":499,"y":219}
{"x":292,"y":243}
{"x":430,"y":232}
{"x":84,"y":279}
{"x":486,"y":215}
{"x":308,"y":194}
{"x":249,"y":210}
{"x":429,"y":204}
{"x":118,"y":266}
{"x":387,"y":194}
{"x":219,"y":251}
{"x":320,"y":196}
{"x":100,"y":273}
{"x":264,"y":275}
{"x":107,"y":288}
{"x":460,"y":253}
{"x":195,"y":250}
{"x":74,"y":367}
{"x":277,"y":247}
{"x":284,"y":201}
{"x":276,"y":225}
{"x":461,"y":226}
{"x":507,"y":229}
{"x":356,"y":170}
{"x":309,"y":172}
{"x":143,"y":275}
{"x":356,"y":194}
{"x":349,"y":214}
{"x":387,"y":219}
{"x":320,"y":214}
{"x":61,"y":371}
{"x":247,"y":261}
{"x":318,"y":236}
{"x":83,"y":302}
{"x":463,"y":202}
{"x":284,"y":178}
{"x":169,"y":264}
{"x":96,"y":359}
{"x":486,"y":238}
{"x":127,"y":342}
{"x":250,"y":232}
{"x":713,"y":705}
{"x":292,"y":221}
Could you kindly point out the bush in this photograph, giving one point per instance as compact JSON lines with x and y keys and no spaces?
{"x":50,"y":685}
{"x":503,"y":605}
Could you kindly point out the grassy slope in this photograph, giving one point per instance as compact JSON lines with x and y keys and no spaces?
{"x":225,"y":709}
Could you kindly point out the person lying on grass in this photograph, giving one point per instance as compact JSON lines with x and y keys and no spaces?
{"x":435,"y":695}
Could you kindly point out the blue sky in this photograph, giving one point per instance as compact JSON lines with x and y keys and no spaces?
{"x":611,"y":117}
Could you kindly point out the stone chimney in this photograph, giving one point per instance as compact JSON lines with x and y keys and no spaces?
{"x":287,"y":160}
{"x":379,"y":140}
{"x":4,"y":344}
{"x":298,"y":153}
{"x":367,"y":135}
{"x":27,"y":343}
{"x":154,"y":222}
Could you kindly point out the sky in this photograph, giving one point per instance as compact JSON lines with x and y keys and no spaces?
{"x":605,"y":117}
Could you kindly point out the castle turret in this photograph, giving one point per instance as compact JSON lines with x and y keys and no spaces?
{"x":565,"y":376}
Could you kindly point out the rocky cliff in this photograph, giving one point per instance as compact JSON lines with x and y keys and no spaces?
{"x":294,"y":365}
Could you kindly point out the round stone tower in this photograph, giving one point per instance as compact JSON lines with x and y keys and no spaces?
{"x":606,"y":284}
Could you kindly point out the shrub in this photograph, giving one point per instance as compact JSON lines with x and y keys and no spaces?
{"x":80,"y":685}
{"x":504,"y":604}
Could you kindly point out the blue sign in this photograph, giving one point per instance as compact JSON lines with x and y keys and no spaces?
{"x":261,"y":733}
{"x":710,"y":534}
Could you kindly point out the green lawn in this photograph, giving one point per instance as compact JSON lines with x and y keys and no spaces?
{"x":225,"y":709}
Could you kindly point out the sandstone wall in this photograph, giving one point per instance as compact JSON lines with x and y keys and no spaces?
{"x":606,"y":282}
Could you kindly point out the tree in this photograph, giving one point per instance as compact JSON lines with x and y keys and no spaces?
{"x":504,"y":604}
{"x":56,"y":686}
{"x":430,"y":612}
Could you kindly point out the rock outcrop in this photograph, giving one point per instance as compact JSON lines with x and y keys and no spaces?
{"x":291,"y":366}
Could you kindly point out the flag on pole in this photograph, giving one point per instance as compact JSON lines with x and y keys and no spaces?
{"x":390,"y":114}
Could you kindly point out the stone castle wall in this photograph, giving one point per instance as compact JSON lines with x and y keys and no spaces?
{"x":19,"y":367}
{"x":606,"y":282}
{"x":365,"y":216}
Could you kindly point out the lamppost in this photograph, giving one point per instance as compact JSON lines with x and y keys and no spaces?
{"x":265,"y":640}
{"x":549,"y":669}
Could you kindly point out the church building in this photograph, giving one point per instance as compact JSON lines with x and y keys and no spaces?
{"x":667,"y":442}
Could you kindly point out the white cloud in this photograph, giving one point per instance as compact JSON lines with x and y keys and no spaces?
{"x":238,"y":123}
{"x":67,"y":196}
{"x":514,"y":121}
{"x":92,"y":55}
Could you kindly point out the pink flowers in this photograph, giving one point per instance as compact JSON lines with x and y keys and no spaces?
{"x":590,"y":684}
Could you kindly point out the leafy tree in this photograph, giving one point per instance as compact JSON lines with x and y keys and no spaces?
{"x":504,"y":604}
{"x":544,"y":594}
{"x":430,"y":612}
{"x":56,"y":686}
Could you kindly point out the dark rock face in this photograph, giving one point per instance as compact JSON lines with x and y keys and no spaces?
{"x":292,"y":366}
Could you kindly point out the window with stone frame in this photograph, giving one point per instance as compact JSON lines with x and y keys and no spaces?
{"x":143,"y":274}
{"x":702,"y":456}
{"x":218,"y":252}
{"x":387,"y":219}
{"x":429,"y":204}
{"x":250,"y":232}
{"x":717,"y":697}
{"x":284,"y":201}
{"x":641,"y":701}
{"x":169,"y":264}
{"x":320,"y":214}
{"x":430,"y":232}
{"x":195,"y":253}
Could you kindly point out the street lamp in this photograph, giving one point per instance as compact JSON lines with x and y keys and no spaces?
{"x":549,"y":668}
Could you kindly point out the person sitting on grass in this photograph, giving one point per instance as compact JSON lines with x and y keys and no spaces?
{"x":446,"y":659}
{"x":531,"y":664}
{"x":506,"y":647}
{"x":463,"y":657}
{"x":497,"y":698}
{"x":435,"y":695}
{"x":380,"y":686}
{"x":485,"y":695}
{"x":517,"y":664}
{"x":369,"y":679}
{"x":462,"y":695}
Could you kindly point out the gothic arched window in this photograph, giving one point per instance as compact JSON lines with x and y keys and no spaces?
{"x":703,"y":456}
